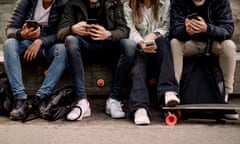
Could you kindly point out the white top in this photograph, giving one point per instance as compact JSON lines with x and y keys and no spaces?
{"x":41,"y":14}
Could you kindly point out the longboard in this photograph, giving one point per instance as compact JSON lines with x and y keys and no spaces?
{"x":173,"y":114}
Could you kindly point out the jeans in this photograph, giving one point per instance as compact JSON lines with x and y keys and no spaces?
{"x":225,"y":51}
{"x":159,"y":64}
{"x":13,"y":52}
{"x":78,"y":48}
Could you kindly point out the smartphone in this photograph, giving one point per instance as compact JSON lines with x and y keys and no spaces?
{"x":149,"y":43}
{"x":32,"y":23}
{"x":193,"y":16}
{"x":91,"y":21}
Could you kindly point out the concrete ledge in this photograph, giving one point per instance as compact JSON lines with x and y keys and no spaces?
{"x":93,"y":72}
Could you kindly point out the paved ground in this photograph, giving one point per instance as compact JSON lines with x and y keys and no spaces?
{"x":100,"y":129}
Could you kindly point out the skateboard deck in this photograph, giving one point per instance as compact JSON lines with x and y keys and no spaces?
{"x":172,"y":114}
{"x":204,"y":107}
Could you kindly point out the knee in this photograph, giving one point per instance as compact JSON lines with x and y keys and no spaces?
{"x":10,"y":45}
{"x":128,"y":47}
{"x":60,"y":51}
{"x":71,"y":43}
{"x":175,"y":45}
{"x":228,"y":47}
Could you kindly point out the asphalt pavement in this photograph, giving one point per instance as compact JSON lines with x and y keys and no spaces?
{"x":101,"y":129}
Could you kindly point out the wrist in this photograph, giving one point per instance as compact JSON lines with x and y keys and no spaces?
{"x":109,"y":36}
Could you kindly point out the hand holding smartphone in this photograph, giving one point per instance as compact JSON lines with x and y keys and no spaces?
{"x":32,"y":23}
{"x":149,"y":43}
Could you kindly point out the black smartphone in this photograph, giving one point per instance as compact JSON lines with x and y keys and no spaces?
{"x":32,"y":23}
{"x":192,"y":16}
{"x":91,"y":21}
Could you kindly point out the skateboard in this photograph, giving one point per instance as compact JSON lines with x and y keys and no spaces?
{"x":173,"y":114}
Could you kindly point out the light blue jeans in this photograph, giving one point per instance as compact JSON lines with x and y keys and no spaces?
{"x":55,"y":55}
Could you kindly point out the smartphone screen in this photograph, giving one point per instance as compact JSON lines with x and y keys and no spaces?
{"x":91,"y":21}
{"x":192,"y":16}
{"x":32,"y":23}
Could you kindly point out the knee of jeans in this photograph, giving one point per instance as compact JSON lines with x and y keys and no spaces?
{"x":61,"y":50}
{"x":10,"y":45}
{"x":128,"y":47}
{"x":71,"y":43}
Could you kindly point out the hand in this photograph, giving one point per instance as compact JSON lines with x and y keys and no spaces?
{"x":147,"y":49}
{"x":151,"y":36}
{"x":30,"y":33}
{"x":98,"y":32}
{"x":80,"y":28}
{"x":32,"y":51}
{"x":194,"y":26}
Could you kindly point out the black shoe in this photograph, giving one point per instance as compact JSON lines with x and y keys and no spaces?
{"x":20,"y":109}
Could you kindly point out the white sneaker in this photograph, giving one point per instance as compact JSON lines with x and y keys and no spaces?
{"x":171,"y":99}
{"x":141,"y":117}
{"x":79,"y":111}
{"x":114,"y":108}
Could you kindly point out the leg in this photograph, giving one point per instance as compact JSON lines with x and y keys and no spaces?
{"x":181,"y":49}
{"x":127,"y":53}
{"x":139,"y":96}
{"x":58,"y":56}
{"x":74,"y":46}
{"x":13,"y":49}
{"x":226,"y":51}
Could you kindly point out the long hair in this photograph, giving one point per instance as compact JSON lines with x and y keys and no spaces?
{"x":137,"y":6}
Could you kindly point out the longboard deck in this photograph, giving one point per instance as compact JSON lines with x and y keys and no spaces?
{"x":204,"y":107}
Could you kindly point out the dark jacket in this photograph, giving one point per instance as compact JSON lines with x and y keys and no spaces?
{"x":219,"y":20}
{"x":24,"y":10}
{"x":76,"y":11}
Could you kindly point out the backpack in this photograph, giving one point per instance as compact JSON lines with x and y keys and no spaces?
{"x":54,"y":106}
{"x":6,"y":97}
{"x":202,"y":80}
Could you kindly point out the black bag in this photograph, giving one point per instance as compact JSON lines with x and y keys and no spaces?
{"x":6,"y":97}
{"x":53,"y":107}
{"x":202,"y":81}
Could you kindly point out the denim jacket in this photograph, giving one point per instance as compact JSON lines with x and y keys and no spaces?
{"x":139,"y":31}
{"x":25,"y":10}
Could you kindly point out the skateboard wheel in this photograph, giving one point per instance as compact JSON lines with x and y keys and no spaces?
{"x":171,"y":120}
{"x":153,"y":82}
{"x":45,"y":72}
{"x":100,"y":83}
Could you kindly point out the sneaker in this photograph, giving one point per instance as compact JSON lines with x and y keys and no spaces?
{"x":231,"y":115}
{"x":141,"y":117}
{"x":171,"y":99}
{"x":20,"y":109}
{"x":114,"y":108}
{"x":79,"y":111}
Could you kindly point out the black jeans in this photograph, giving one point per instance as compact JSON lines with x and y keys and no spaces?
{"x":79,"y":49}
{"x":143,"y":64}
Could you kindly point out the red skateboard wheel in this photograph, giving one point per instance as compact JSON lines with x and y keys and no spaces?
{"x":171,"y":120}
{"x":100,"y":82}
